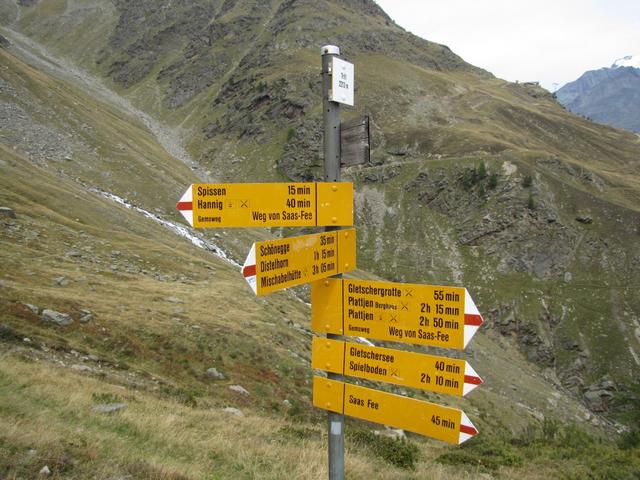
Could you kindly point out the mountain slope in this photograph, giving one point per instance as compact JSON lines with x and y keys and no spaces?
{"x":240,"y":81}
{"x":162,"y":313}
{"x":545,"y":238}
{"x":610,"y":96}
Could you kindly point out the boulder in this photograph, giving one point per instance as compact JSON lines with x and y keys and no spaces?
{"x":393,"y":433}
{"x":33,"y":308}
{"x":62,"y":281}
{"x":599,"y":395}
{"x":109,"y":407}
{"x":6,"y":212}
{"x":56,"y":317}
{"x":215,"y":374}
{"x":239,"y":389}
{"x":81,"y":368}
{"x":234,"y":411}
{"x":598,"y":400}
{"x":86,"y":317}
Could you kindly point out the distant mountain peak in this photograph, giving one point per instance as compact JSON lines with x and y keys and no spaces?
{"x":607,"y":95}
{"x":628,"y":61}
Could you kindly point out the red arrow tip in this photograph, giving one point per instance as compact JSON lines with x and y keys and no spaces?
{"x":473,"y":380}
{"x":468,"y":430}
{"x":249,"y":271}
{"x":184,"y":205}
{"x":472,"y":320}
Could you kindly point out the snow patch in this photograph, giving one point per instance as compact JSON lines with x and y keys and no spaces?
{"x":628,"y":61}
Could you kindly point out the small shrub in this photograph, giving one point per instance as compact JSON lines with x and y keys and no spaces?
{"x":530,"y":203}
{"x":470,"y":177}
{"x":106,"y":398}
{"x":296,"y":412}
{"x":482,"y":171}
{"x":527,"y":437}
{"x":300,"y":433}
{"x":493,"y":181}
{"x":629,"y":440}
{"x":188,"y":397}
{"x":9,"y":334}
{"x":290,"y":133}
{"x":527,"y":181}
{"x":401,"y":453}
{"x":550,"y":428}
{"x":488,"y":452}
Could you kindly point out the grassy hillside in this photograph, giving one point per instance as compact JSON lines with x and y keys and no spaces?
{"x":474,"y":182}
{"x":163,"y":312}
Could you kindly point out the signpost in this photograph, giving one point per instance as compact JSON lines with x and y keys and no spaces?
{"x":337,"y":87}
{"x":443,"y":423}
{"x":274,"y":265}
{"x":415,"y":314}
{"x":220,"y":205}
{"x":409,"y":369}
{"x":399,"y":312}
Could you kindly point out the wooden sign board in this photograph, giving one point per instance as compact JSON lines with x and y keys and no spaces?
{"x":355,"y":143}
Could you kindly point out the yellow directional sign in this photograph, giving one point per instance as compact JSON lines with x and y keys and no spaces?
{"x":278,"y":264}
{"x":220,"y":205}
{"x":400,"y":312}
{"x":428,"y":372}
{"x":443,"y":423}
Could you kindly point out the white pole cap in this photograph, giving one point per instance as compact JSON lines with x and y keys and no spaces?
{"x":330,"y":50}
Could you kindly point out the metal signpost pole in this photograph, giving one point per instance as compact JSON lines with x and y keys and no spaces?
{"x":331,"y":144}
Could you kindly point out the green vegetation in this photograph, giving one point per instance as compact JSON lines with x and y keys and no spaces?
{"x":399,"y":452}
{"x":262,"y":87}
{"x":291,"y":133}
{"x":551,"y":444}
{"x":479,"y":176}
{"x":487,"y":452}
{"x":482,"y":171}
{"x":493,"y":181}
{"x":531,"y":205}
{"x":630,"y":440}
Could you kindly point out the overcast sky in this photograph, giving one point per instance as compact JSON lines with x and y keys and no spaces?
{"x":550,"y":41}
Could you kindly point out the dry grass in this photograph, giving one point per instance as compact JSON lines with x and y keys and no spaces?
{"x":49,"y":409}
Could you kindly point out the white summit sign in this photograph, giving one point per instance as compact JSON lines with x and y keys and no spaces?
{"x":342,"y":82}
